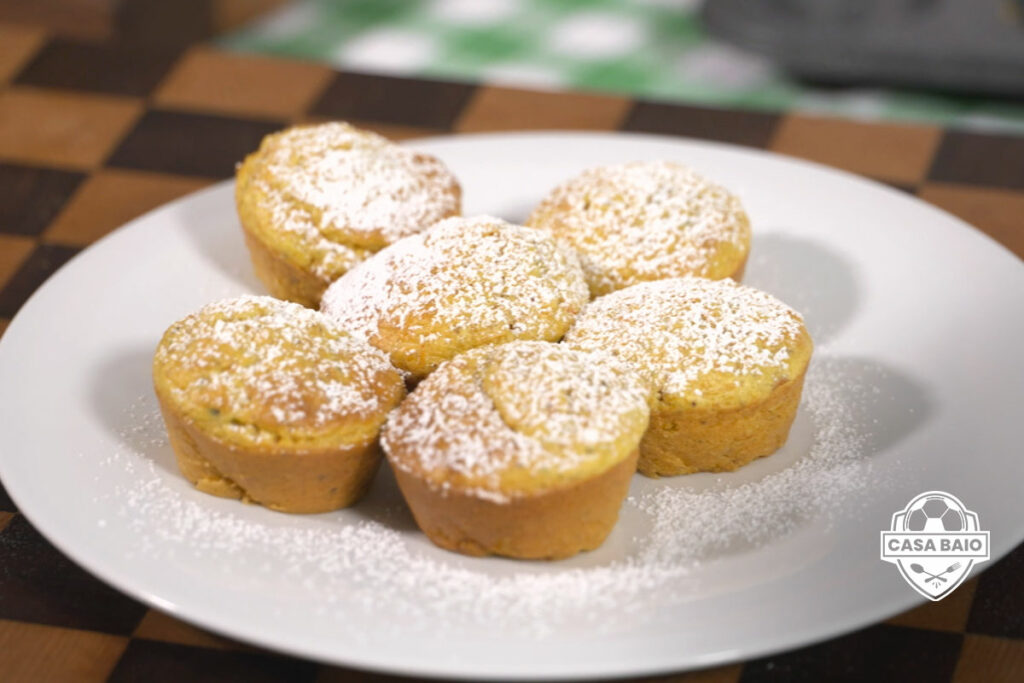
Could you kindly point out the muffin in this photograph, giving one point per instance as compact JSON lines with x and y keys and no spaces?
{"x":645,"y":221}
{"x":724,"y":365}
{"x":272,"y":403}
{"x":316,"y":200}
{"x":524,"y":450}
{"x":464,"y":283}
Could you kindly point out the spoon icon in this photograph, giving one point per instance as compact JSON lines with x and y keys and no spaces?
{"x":918,"y":569}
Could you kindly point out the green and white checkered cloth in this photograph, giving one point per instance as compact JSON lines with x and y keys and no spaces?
{"x":652,"y":49}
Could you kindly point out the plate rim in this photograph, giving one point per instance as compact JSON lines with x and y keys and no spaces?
{"x":445,"y":668}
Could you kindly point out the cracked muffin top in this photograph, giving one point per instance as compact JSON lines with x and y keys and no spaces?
{"x":645,"y":221}
{"x":519,"y":418}
{"x":710,"y":344}
{"x":260,"y":372}
{"x":465,"y":282}
{"x":325,"y":197}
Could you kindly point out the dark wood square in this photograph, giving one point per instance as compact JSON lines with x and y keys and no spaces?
{"x":158,"y":22}
{"x":412,"y":102}
{"x":190,"y":144}
{"x":750,"y":128}
{"x":977,"y":159}
{"x":879,"y":653}
{"x":998,"y":608}
{"x":6,"y":504}
{"x":39,"y":584}
{"x":31,"y":197}
{"x":98,"y":67}
{"x":41,"y":264}
{"x":154,"y":662}
{"x":902,"y":187}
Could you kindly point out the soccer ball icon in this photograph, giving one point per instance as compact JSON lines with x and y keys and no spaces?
{"x":935,"y":514}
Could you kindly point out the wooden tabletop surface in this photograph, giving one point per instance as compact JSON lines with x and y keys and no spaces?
{"x":95,"y":131}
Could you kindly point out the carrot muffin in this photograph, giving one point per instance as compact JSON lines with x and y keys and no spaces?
{"x":464,"y":283}
{"x":316,"y":200}
{"x":270,"y":402}
{"x":724,"y":364}
{"x":646,"y":221}
{"x":524,"y":449}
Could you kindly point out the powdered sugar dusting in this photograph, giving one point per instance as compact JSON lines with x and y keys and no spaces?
{"x":328,"y":258}
{"x":678,"y":331}
{"x":347,"y":192}
{"x":643,"y":221}
{"x":368,"y":561}
{"x":463,"y":283}
{"x":521,"y":406}
{"x":262,"y":364}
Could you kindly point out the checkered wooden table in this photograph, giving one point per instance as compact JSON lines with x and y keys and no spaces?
{"x":95,"y":133}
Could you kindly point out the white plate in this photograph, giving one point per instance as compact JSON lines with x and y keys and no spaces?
{"x":916,"y":385}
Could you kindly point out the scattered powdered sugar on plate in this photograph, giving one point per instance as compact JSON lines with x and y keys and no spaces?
{"x":698,"y":524}
{"x":371,"y":558}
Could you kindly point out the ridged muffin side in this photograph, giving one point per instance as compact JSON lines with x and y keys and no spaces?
{"x":273,"y":403}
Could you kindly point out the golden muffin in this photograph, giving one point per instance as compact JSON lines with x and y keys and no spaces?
{"x":724,"y":363}
{"x":270,"y":402}
{"x":464,"y":283}
{"x":524,"y":449}
{"x":645,"y":221}
{"x":316,"y":200}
